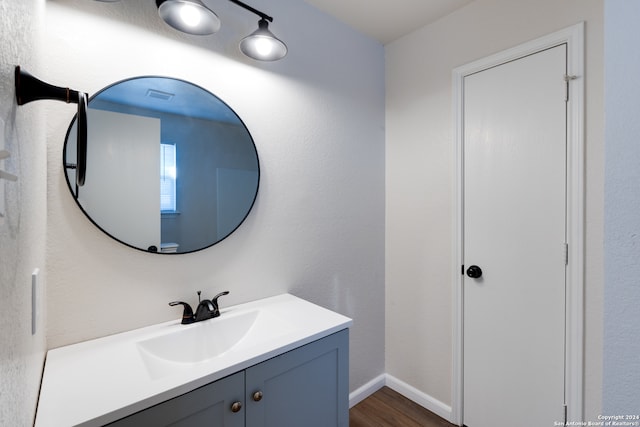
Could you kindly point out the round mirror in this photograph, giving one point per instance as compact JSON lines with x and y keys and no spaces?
{"x":170,"y":168}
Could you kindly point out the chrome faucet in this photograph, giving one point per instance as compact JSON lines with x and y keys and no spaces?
{"x":207,"y":309}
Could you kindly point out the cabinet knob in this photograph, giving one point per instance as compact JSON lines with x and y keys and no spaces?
{"x":257,"y":396}
{"x":236,"y":406}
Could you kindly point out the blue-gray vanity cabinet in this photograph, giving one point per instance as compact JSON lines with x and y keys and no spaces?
{"x":307,"y":386}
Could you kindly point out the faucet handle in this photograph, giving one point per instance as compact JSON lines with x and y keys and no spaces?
{"x":187,"y":314}
{"x":214,"y":301}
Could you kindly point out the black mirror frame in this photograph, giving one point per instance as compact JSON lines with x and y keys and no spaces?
{"x":74,"y":195}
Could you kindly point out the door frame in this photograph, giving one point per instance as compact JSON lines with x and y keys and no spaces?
{"x":574,"y":321}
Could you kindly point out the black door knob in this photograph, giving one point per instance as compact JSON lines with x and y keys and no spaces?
{"x":474,"y":272}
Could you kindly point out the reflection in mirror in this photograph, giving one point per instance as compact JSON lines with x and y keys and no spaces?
{"x":170,"y":167}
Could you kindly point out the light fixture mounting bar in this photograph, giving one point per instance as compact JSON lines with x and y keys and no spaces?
{"x":251,"y":9}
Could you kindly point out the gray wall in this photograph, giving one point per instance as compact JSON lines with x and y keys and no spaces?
{"x":317,"y":229}
{"x":23,"y":228}
{"x":621,"y":374}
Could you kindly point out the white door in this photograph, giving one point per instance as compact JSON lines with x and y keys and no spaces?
{"x":514,"y":219}
{"x":122,"y":201}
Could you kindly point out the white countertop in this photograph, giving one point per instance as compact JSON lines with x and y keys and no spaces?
{"x":100,"y":381}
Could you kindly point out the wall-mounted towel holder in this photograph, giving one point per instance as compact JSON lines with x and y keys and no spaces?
{"x":29,"y":88}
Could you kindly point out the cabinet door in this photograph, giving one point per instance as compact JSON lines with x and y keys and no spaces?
{"x":308,"y":386}
{"x":206,"y":406}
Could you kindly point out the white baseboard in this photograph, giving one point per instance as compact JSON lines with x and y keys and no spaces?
{"x":366,"y":390}
{"x":432,"y":404}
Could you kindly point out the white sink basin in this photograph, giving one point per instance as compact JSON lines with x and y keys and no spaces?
{"x":200,"y":341}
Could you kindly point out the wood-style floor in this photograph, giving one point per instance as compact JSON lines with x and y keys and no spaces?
{"x":386,"y":408}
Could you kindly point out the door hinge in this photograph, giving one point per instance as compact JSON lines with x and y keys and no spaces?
{"x":567,"y":79}
{"x":566,"y":254}
{"x":566,"y":411}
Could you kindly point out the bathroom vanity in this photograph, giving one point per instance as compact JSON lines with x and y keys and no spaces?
{"x":280,"y":361}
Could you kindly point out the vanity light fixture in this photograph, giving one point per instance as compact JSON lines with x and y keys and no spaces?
{"x":193,"y":17}
{"x":189,"y":16}
{"x":262,"y":44}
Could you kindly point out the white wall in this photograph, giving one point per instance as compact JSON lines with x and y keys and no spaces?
{"x":22,"y":230}
{"x":622,"y":209}
{"x":317,"y":229}
{"x":420,"y":179}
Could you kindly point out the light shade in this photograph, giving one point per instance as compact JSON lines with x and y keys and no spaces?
{"x":189,"y":16}
{"x":262,"y":44}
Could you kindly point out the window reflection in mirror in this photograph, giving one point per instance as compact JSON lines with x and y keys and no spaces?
{"x":168,"y":175}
